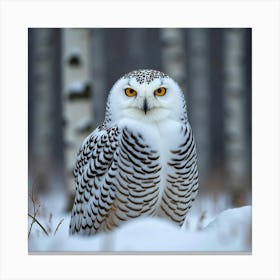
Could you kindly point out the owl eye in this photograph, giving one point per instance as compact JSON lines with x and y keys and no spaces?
{"x":160,"y":91}
{"x":130,"y":92}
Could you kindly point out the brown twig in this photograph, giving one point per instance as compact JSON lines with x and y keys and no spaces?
{"x":35,"y":211}
{"x":40,"y":225}
{"x":58,"y":226}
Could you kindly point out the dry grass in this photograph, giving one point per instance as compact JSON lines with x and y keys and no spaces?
{"x":48,"y":229}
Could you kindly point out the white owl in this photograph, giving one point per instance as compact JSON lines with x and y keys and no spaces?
{"x":141,"y":161}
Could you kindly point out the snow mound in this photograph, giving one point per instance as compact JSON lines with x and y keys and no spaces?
{"x":230,"y":231}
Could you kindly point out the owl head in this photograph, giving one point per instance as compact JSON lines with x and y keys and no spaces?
{"x":146,"y":95}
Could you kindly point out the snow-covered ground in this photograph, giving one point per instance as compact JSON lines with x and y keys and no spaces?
{"x":228,"y":231}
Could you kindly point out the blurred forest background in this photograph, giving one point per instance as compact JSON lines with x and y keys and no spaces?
{"x":70,"y":74}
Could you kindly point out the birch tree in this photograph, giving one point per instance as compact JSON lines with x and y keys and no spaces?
{"x":173,"y":54}
{"x":76,"y":94}
{"x":234,"y":116}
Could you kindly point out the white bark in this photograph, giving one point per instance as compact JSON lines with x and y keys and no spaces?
{"x":173,"y":54}
{"x":76,"y":94}
{"x":199,"y":88}
{"x":234,"y":118}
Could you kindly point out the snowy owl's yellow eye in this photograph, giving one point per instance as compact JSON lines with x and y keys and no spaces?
{"x":160,"y":91}
{"x":130,"y":92}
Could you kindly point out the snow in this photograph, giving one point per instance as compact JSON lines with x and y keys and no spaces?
{"x":229,"y":231}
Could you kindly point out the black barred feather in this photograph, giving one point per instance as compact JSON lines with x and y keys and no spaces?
{"x":118,"y":177}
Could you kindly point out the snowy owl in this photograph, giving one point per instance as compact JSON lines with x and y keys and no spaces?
{"x":141,"y":161}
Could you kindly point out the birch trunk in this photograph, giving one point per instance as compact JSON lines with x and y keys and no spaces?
{"x":173,"y":55}
{"x":76,"y":95}
{"x":234,"y":117}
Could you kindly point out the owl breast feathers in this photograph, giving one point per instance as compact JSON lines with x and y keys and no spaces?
{"x":141,"y":161}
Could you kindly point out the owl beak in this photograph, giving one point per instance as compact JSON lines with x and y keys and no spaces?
{"x":145,"y":106}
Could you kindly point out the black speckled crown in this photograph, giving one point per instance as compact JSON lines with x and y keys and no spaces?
{"x":145,"y":75}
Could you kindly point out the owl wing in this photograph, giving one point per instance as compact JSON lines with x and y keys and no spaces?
{"x":182,"y":179}
{"x":94,"y":172}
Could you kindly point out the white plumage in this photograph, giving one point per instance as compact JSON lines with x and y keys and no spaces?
{"x":141,"y":161}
